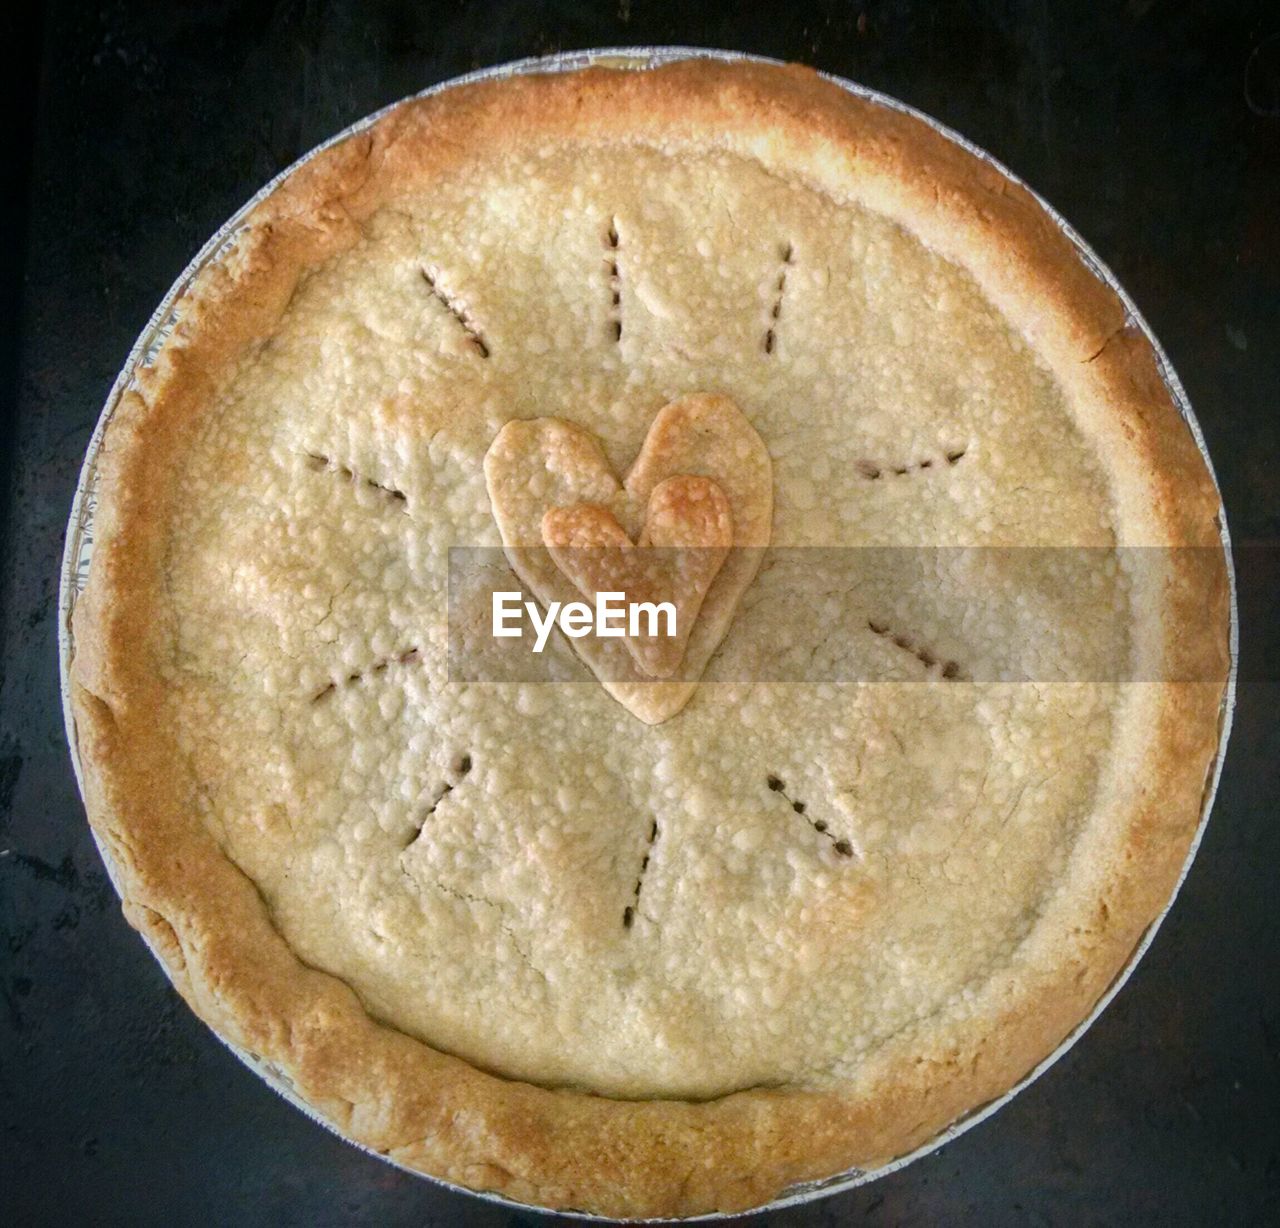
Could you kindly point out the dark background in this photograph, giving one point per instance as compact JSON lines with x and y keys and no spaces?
{"x":135,"y":130}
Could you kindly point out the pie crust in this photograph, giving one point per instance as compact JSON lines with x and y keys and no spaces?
{"x":707,"y":1065}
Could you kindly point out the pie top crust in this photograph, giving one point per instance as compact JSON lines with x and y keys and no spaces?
{"x":512,"y":935}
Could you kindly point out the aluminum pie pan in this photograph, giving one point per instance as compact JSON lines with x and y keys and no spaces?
{"x":79,"y":547}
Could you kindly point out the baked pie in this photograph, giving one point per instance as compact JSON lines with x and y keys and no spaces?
{"x":681,"y":924}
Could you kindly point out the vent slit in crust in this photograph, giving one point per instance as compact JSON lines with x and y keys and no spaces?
{"x":613,"y":243}
{"x":461,"y":767}
{"x":770,"y":336}
{"x":456,"y":309}
{"x":950,"y":670}
{"x":379,"y":666}
{"x":319,"y":463}
{"x":874,"y":470}
{"x":629,"y":913}
{"x":776,"y":785}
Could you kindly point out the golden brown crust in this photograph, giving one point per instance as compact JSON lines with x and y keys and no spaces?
{"x":566,"y":1149}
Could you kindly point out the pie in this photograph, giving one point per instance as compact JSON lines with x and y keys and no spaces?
{"x":671,"y":928}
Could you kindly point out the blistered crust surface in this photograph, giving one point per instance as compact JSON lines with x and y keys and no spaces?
{"x":874,"y":907}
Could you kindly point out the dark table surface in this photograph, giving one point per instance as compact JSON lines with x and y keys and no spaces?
{"x":135,"y":130}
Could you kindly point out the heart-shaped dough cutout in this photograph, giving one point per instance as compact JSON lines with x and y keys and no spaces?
{"x":687,"y":533}
{"x":535,"y":466}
